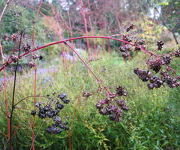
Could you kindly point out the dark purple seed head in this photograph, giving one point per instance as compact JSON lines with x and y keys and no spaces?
{"x":66,"y":101}
{"x":136,"y":70}
{"x":56,"y":112}
{"x":99,"y":105}
{"x":59,"y":106}
{"x":53,"y":130}
{"x":33,"y":112}
{"x":160,"y":45}
{"x":38,"y":105}
{"x":103,"y":111}
{"x":62,"y":96}
{"x":130,"y":28}
{"x":57,"y":119}
{"x":120,"y":102}
{"x":40,"y":57}
{"x":42,"y":115}
{"x":50,"y":114}
{"x":47,"y":107}
{"x":120,"y":91}
{"x":150,"y":86}
{"x":177,"y":53}
{"x":124,"y":107}
{"x":166,"y":59}
{"x":112,"y":117}
{"x":119,"y":112}
{"x":104,"y":101}
{"x":42,"y":111}
{"x":112,"y":95}
{"x":87,"y":94}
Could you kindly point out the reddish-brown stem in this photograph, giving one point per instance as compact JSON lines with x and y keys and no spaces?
{"x":76,"y":38}
{"x":89,"y":68}
{"x":83,"y":13}
{"x":13,"y":93}
{"x":5,"y":7}
{"x":33,"y":119}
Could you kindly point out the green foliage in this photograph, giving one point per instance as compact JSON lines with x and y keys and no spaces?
{"x":46,"y":9}
{"x":149,"y":30}
{"x":20,"y":19}
{"x":16,"y":20}
{"x":151,"y":123}
{"x":170,"y":14}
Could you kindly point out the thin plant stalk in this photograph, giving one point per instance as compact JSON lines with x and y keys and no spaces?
{"x":4,"y":9}
{"x":99,"y":81}
{"x":76,"y":38}
{"x":33,"y":119}
{"x":14,"y":90}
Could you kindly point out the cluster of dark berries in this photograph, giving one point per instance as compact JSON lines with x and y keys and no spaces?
{"x":13,"y":58}
{"x":166,"y":59}
{"x":121,"y":91}
{"x":144,"y":75}
{"x":126,"y":38}
{"x":113,"y":107}
{"x":51,"y":110}
{"x":26,"y":47}
{"x":172,"y":82}
{"x":156,"y":64}
{"x":37,"y":57}
{"x":86,"y":94}
{"x":31,"y":64}
{"x":125,"y":51}
{"x":12,"y":37}
{"x":130,"y":28}
{"x":160,"y":45}
{"x":138,"y":44}
{"x":155,"y":81}
{"x":177,"y":53}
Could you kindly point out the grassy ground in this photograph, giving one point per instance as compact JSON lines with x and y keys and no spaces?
{"x":150,"y":124}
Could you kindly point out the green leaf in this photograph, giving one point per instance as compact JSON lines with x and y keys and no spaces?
{"x":163,"y":3}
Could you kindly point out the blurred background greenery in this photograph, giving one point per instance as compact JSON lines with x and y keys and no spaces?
{"x":152,"y":123}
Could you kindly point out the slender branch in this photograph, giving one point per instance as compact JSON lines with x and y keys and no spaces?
{"x":89,"y":68}
{"x":27,"y":98}
{"x":1,"y":53}
{"x":76,"y":38}
{"x":14,"y":90}
{"x":2,"y":14}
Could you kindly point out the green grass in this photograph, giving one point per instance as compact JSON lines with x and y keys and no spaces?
{"x":150,"y":124}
